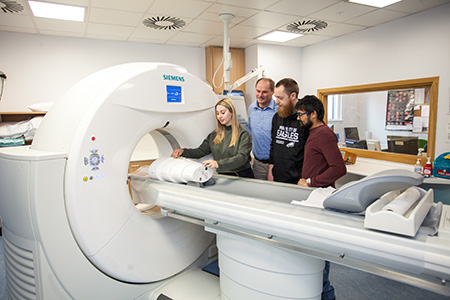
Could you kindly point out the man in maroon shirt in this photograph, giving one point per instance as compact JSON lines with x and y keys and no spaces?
{"x":322,"y":163}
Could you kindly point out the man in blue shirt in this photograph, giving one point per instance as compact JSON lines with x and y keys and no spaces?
{"x":260,"y":114}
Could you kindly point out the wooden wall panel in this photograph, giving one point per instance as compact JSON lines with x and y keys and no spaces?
{"x":214,"y":56}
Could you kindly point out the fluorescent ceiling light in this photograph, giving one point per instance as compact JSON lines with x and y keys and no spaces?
{"x":279,"y":36}
{"x":57,"y":11}
{"x":376,"y":3}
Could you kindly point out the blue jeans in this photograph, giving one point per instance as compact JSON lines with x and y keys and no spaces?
{"x":328,"y":289}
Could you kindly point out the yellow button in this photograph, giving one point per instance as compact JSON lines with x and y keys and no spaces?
{"x":85,"y":179}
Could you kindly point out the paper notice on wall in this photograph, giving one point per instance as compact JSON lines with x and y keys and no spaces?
{"x":417,"y":124}
{"x":425,"y":111}
{"x":419,"y":96}
{"x":447,"y":130}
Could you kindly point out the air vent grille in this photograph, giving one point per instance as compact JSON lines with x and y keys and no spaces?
{"x":20,"y":274}
{"x":10,"y":6}
{"x":164,"y":23}
{"x":306,"y":26}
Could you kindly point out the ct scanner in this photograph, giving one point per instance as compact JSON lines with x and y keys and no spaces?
{"x":71,"y":230}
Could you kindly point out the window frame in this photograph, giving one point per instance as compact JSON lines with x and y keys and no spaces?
{"x":431,"y":83}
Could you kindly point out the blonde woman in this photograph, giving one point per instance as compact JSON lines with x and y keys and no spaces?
{"x":230,"y":144}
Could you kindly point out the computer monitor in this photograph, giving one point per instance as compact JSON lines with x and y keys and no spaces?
{"x":359,"y":144}
{"x":403,"y":144}
{"x":351,"y":133}
{"x":352,"y":138}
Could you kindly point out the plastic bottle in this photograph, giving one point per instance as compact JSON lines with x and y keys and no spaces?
{"x":428,"y":169}
{"x":418,"y":167}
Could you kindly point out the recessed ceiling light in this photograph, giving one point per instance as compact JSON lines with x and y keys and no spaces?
{"x":376,"y":3}
{"x":57,"y":11}
{"x":279,"y":36}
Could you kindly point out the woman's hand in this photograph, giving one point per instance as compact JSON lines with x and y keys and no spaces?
{"x":177,"y":153}
{"x":211,"y":163}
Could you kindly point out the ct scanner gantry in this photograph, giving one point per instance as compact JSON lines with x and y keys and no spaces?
{"x":66,"y":209}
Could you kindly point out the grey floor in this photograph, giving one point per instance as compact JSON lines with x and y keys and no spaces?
{"x":349,"y":284}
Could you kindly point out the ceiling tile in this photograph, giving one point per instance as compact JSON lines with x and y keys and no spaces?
{"x":340,"y":29}
{"x":301,"y":7}
{"x":116,"y":17}
{"x":153,"y":34}
{"x":205,"y":27}
{"x":220,"y":8}
{"x":257,"y":4}
{"x":191,"y":37}
{"x":110,"y":30}
{"x":213,"y":16}
{"x":59,"y":25}
{"x":174,"y":8}
{"x":342,"y":11}
{"x":413,"y":6}
{"x":16,"y":20}
{"x":377,"y":17}
{"x":269,"y":20}
{"x":309,"y":39}
{"x":249,"y":32}
{"x":129,"y":5}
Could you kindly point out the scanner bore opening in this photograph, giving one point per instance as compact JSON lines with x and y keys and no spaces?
{"x":151,"y":146}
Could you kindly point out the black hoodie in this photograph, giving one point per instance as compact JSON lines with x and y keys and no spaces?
{"x":287,"y":148}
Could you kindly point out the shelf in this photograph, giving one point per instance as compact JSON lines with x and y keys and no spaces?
{"x":19,"y":116}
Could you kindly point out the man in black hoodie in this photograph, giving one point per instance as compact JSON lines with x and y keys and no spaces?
{"x":288,"y":136}
{"x":287,"y":148}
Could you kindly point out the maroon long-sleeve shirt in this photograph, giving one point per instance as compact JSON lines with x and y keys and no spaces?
{"x":323,"y":161}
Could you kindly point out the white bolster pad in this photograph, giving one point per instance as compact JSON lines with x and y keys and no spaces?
{"x":180,"y":170}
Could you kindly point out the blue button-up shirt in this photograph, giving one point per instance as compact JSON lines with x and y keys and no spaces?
{"x":260,"y":127}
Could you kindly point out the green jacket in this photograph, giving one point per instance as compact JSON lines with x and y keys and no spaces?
{"x":229,"y":159}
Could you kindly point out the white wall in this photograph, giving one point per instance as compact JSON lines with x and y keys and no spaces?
{"x":251,"y":62}
{"x":412,"y":47}
{"x":279,"y":61}
{"x":41,"y":68}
